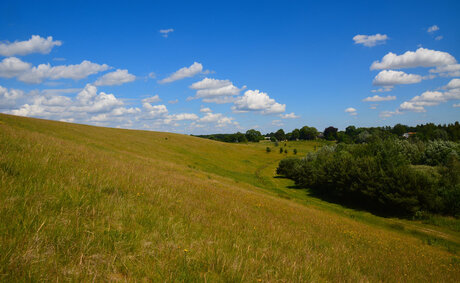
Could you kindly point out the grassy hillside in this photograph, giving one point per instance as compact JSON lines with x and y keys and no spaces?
{"x":82,"y":203}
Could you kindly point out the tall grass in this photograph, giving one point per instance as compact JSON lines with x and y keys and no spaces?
{"x":88,"y":203}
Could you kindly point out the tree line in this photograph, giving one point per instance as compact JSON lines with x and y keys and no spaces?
{"x":352,"y":134}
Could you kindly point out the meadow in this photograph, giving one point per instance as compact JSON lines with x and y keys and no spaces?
{"x":80,"y":202}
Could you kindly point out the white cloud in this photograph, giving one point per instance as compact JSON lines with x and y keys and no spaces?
{"x":151,"y":99}
{"x":291,"y":115}
{"x":214,"y":90}
{"x":410,"y":106}
{"x":182,"y":116}
{"x":14,"y":67}
{"x":352,"y":111}
{"x":370,"y":40}
{"x":205,"y":110}
{"x":431,"y":98}
{"x":165,"y":32}
{"x":277,"y":123}
{"x":185,"y":72}
{"x":452,"y":70}
{"x":254,"y":100}
{"x":36,"y":44}
{"x":391,"y":78}
{"x":456,"y":105}
{"x":11,"y":67}
{"x":454,"y":83}
{"x":155,"y":111}
{"x":219,"y":99}
{"x":432,"y":29}
{"x":173,"y":101}
{"x":377,"y":98}
{"x":383,"y":89}
{"x":217,"y":118}
{"x":386,"y":114}
{"x":152,"y":75}
{"x":439,"y":37}
{"x":9,"y":97}
{"x":87,"y":107}
{"x":117,"y":77}
{"x":422,"y":57}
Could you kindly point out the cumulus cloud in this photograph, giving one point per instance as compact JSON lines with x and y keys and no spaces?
{"x":447,"y":70}
{"x":8,"y":97}
{"x":155,"y":111}
{"x":456,"y":105}
{"x":439,"y":37}
{"x":432,"y":29}
{"x":182,"y":116}
{"x":352,"y":111}
{"x":377,"y":98}
{"x":165,"y":32}
{"x":185,"y":72}
{"x":291,"y":115}
{"x":151,"y":99}
{"x":422,"y":57}
{"x":218,"y":118}
{"x":454,"y":83}
{"x":432,"y":98}
{"x":391,"y":78}
{"x":13,"y":67}
{"x":370,"y":40}
{"x":36,"y":44}
{"x":205,"y":110}
{"x":387,"y":114}
{"x":173,"y":101}
{"x":88,"y":106}
{"x":255,"y":100}
{"x":214,"y":90}
{"x":117,"y":77}
{"x":410,"y":106}
{"x":277,"y":123}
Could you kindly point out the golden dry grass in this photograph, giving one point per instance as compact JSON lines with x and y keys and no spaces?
{"x":87,"y":203}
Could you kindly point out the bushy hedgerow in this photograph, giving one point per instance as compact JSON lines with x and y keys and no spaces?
{"x":387,"y":176}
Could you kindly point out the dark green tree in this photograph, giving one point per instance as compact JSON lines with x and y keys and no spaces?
{"x":330,"y":133}
{"x":280,"y":135}
{"x":253,"y":135}
{"x":308,"y":133}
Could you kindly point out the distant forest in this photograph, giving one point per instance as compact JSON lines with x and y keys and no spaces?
{"x":352,"y":134}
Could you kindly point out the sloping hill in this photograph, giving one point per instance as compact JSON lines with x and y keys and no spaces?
{"x":81,"y":203}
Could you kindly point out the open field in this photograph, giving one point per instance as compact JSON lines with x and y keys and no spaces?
{"x":80,"y":203}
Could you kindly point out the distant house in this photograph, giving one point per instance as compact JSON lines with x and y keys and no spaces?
{"x":408,"y":134}
{"x":267,"y":138}
{"x":320,"y":135}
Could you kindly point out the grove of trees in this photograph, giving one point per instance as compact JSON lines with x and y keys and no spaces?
{"x":390,"y":176}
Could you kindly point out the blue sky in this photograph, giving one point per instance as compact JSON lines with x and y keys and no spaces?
{"x":213,"y":66}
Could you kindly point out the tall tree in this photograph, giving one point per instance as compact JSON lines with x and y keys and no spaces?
{"x":280,"y":135}
{"x":330,"y":133}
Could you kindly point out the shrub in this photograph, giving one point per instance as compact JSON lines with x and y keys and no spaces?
{"x":268,"y":149}
{"x":294,"y":151}
{"x":281,"y":150}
